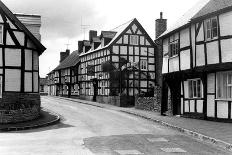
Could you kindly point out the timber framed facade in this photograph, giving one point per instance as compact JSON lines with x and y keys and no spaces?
{"x":19,"y":69}
{"x":197,"y":56}
{"x":117,"y":65}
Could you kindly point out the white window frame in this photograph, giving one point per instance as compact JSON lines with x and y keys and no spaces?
{"x":174,"y":48}
{"x":224,"y":85}
{"x":209,"y":29}
{"x":143,"y":64}
{"x":134,"y":39}
{"x":193,"y":85}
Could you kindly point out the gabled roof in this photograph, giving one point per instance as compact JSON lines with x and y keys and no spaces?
{"x":186,"y":18}
{"x":118,"y":32}
{"x":213,"y":6}
{"x":70,"y":61}
{"x":13,"y":18}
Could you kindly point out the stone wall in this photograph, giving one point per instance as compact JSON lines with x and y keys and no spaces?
{"x":149,"y":103}
{"x":19,"y":107}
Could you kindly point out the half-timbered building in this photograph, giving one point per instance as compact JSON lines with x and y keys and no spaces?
{"x":197,"y":68}
{"x":117,"y":65}
{"x":19,"y":69}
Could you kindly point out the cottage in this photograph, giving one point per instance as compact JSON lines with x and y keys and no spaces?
{"x":19,"y":68}
{"x":117,"y":65}
{"x":197,"y":68}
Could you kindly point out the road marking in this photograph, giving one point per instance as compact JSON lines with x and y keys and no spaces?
{"x":152,"y":140}
{"x":126,"y":152}
{"x":173,"y":150}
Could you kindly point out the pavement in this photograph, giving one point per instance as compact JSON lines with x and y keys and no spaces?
{"x":46,"y":118}
{"x":216,"y":133}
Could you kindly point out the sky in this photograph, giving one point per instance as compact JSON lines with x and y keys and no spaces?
{"x":62,"y":20}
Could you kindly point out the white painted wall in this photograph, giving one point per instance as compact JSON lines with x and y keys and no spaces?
{"x":225,"y":20}
{"x":12,"y":57}
{"x":28,"y":82}
{"x":192,"y":106}
{"x":174,"y":64}
{"x":210,"y":106}
{"x":165,"y":46}
{"x":20,"y":37}
{"x":36,"y":80}
{"x":12,"y":79}
{"x":200,"y":55}
{"x":212,"y":52}
{"x":165,"y":65}
{"x":9,"y":40}
{"x":0,"y":56}
{"x":186,"y":89}
{"x":222,"y":109}
{"x":35,"y":60}
{"x":184,"y":38}
{"x":211,"y":83}
{"x":185,"y":60}
{"x":200,"y":106}
{"x":123,"y":50}
{"x":200,"y":36}
{"x":193,"y":43}
{"x":28,"y":59}
{"x":186,"y":106}
{"x":226,"y":50}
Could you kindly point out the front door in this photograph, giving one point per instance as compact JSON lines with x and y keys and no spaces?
{"x":95,"y":89}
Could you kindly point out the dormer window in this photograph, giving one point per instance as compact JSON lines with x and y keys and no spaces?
{"x":211,"y":28}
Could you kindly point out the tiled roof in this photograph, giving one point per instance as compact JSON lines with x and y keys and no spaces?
{"x":70,"y":61}
{"x":12,"y":17}
{"x":213,"y":6}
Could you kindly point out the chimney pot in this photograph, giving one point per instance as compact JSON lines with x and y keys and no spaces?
{"x":161,"y":15}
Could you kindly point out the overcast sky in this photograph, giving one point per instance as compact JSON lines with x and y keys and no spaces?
{"x":62,"y":19}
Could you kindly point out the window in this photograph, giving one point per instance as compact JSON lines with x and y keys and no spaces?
{"x":224,"y":85}
{"x":143,"y":64}
{"x":134,"y":39}
{"x":211,"y":26}
{"x":174,"y":48}
{"x":1,"y":34}
{"x":195,"y":88}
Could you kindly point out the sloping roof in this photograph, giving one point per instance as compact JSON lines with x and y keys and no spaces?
{"x":185,"y":19}
{"x":70,"y":61}
{"x":213,"y":6}
{"x":118,"y":30}
{"x":12,"y":17}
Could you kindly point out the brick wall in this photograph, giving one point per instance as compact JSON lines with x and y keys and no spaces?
{"x":19,"y":107}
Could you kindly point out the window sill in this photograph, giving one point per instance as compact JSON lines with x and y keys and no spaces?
{"x":223,"y":99}
{"x":174,"y":56}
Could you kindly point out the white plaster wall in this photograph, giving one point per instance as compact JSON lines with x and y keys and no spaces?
{"x":151,"y":67}
{"x":36,"y":80}
{"x":28,"y":82}
{"x":200,"y":36}
{"x":184,"y":38}
{"x":222,"y":109}
{"x":174,"y":64}
{"x":151,"y":52}
{"x":165,"y":65}
{"x":165,"y":46}
{"x":12,"y":80}
{"x":116,"y":49}
{"x":12,"y":57}
{"x":192,"y":106}
{"x":123,"y":49}
{"x":225,"y":20}
{"x":211,"y":83}
{"x":226,"y":50}
{"x":212,"y":53}
{"x":210,"y":106}
{"x":141,"y":40}
{"x":193,"y":43}
{"x":35,"y":60}
{"x":185,"y":60}
{"x":136,"y":50}
{"x":125,"y":39}
{"x":186,"y":89}
{"x":0,"y":56}
{"x":119,"y":40}
{"x":200,"y":56}
{"x":20,"y":37}
{"x":9,"y":40}
{"x":182,"y":106}
{"x":186,"y":106}
{"x":200,"y":106}
{"x":143,"y":51}
{"x":28,"y":59}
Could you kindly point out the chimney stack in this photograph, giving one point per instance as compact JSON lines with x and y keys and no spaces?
{"x":64,"y":55}
{"x":92,"y":33}
{"x":160,"y":25}
{"x":80,"y":46}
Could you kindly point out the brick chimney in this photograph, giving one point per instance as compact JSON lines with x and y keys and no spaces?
{"x":64,"y":55}
{"x":160,"y":25}
{"x":92,"y":33}
{"x":80,"y":46}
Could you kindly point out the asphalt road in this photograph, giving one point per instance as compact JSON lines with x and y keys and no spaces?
{"x":90,"y":130}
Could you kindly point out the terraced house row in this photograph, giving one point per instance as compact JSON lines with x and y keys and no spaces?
{"x":189,"y":65}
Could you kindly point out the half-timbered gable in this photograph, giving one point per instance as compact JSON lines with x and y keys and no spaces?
{"x":197,"y":53}
{"x":19,"y":67}
{"x":124,"y":63}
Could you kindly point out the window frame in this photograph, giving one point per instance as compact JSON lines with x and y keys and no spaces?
{"x":226,"y":87}
{"x":143,"y":64}
{"x":209,"y":28}
{"x":174,"y":48}
{"x":195,"y":88}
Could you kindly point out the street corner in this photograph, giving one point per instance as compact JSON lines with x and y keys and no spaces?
{"x":46,"y":118}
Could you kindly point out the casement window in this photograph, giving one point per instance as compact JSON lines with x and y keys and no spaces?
{"x":224,"y":85}
{"x":174,"y":48}
{"x":211,"y":28}
{"x":195,"y":88}
{"x":143,"y":64}
{"x":1,"y":34}
{"x":134,"y":39}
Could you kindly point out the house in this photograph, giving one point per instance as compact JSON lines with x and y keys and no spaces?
{"x":43,"y":86}
{"x":65,"y":75}
{"x":197,"y":68}
{"x":19,"y":68}
{"x":117,"y":65}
